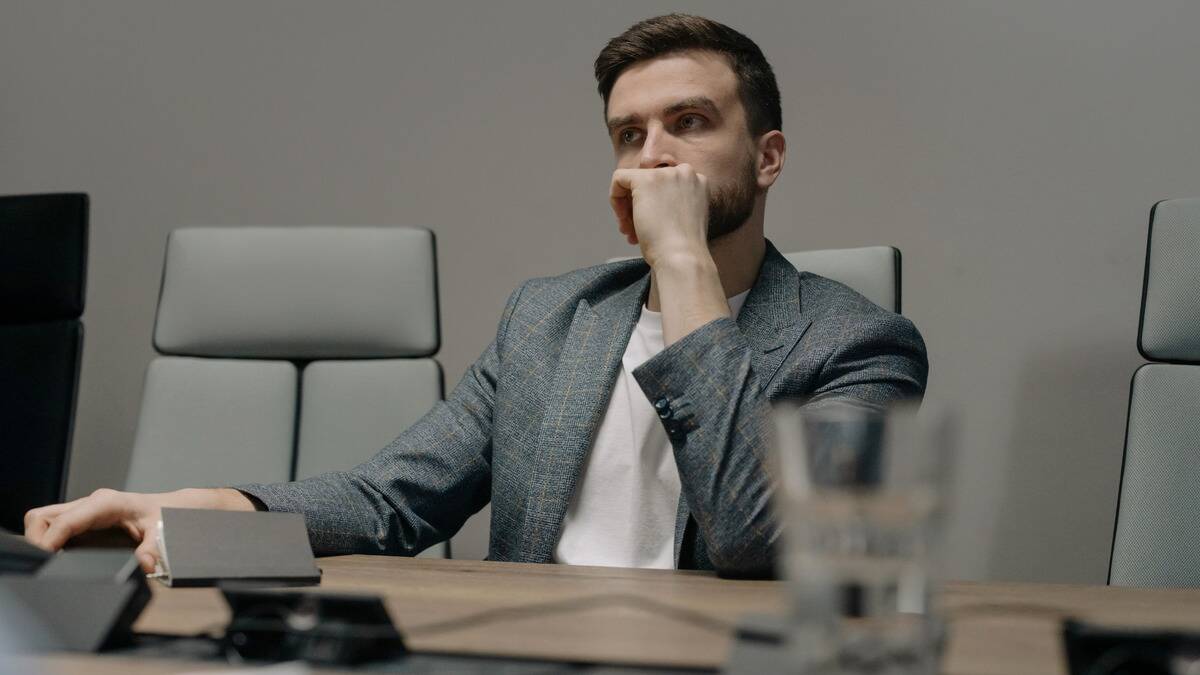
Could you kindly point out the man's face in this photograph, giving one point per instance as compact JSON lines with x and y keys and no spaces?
{"x":684,"y":108}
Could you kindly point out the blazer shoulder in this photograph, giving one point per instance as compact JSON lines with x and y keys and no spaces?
{"x":836,"y":308}
{"x":822,"y":296}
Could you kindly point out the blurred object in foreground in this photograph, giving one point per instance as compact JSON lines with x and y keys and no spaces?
{"x":861,"y":495}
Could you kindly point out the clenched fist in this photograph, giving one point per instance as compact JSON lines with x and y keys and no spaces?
{"x":663,"y":210}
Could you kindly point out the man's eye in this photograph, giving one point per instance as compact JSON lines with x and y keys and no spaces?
{"x":690,"y":121}
{"x":628,"y":136}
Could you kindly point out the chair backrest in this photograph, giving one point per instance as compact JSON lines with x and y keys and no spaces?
{"x":351,"y":409}
{"x":1156,"y":538}
{"x":287,"y":352}
{"x":43,"y":263}
{"x":873,"y":271}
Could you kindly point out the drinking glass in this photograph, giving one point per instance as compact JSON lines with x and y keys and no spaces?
{"x":861,"y":496}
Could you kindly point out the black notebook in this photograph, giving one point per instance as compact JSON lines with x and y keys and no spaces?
{"x":200,"y":547}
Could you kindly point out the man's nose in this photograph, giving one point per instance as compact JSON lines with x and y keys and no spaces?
{"x":656,"y":151}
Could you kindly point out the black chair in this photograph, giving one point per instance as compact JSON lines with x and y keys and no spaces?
{"x":43,"y":262}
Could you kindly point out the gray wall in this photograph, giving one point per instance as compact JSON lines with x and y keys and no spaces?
{"x":1011,"y":149}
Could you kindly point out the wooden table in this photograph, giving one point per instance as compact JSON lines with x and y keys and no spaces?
{"x":653,"y":617}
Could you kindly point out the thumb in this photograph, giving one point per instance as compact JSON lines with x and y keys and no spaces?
{"x":147,"y":553}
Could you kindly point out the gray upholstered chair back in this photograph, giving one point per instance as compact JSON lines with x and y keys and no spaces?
{"x":873,"y":271}
{"x":286,"y":352}
{"x":1156,"y":540}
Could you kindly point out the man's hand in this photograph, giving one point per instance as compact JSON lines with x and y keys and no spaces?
{"x":51,"y":527}
{"x":663,"y":210}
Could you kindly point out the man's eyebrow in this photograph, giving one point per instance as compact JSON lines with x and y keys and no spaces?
{"x":691,"y":103}
{"x":697,"y":102}
{"x":617,"y":122}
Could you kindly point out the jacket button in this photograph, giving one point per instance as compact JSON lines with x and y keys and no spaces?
{"x":663,"y":407}
{"x":674,"y":430}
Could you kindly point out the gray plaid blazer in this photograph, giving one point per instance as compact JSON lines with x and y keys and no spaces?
{"x":516,"y":429}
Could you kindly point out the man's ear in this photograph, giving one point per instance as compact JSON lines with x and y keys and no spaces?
{"x":772,"y":150}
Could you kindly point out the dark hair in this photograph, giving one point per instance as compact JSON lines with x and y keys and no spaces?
{"x":671,"y":33}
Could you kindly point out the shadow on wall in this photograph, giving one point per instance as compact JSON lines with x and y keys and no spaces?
{"x":1068,"y":430}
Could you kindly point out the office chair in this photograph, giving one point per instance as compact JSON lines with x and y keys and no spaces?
{"x":1156,"y":539}
{"x":286,"y":352}
{"x":873,"y":271}
{"x":43,"y":263}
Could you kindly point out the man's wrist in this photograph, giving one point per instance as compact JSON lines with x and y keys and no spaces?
{"x":224,"y":499}
{"x":689,"y":293}
{"x":235,"y":500}
{"x":691,"y":283}
{"x":685,"y":263}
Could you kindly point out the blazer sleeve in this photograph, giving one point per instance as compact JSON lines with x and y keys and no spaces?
{"x":418,"y":490}
{"x":715,"y":408}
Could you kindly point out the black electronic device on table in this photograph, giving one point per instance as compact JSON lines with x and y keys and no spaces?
{"x":325,"y":628}
{"x":204,"y":547}
{"x":18,"y":556}
{"x":77,"y":600}
{"x":1105,"y":650}
{"x":86,"y":599}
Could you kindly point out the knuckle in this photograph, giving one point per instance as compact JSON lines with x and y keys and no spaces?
{"x":108,"y":495}
{"x":52,"y":533}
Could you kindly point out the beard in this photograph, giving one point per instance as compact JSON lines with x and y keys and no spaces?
{"x":730,"y":206}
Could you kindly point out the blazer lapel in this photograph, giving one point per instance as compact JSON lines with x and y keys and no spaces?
{"x":772,"y":322}
{"x":581,"y":388}
{"x":770,"y":318}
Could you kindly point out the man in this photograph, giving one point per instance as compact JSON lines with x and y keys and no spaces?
{"x":619,"y":416}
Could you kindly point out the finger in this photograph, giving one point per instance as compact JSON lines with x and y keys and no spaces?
{"x":623,"y":209}
{"x":49,"y":511}
{"x":620,"y":196}
{"x":35,"y":531}
{"x":622,"y":183}
{"x":147,"y":554}
{"x":93,"y":513}
{"x":38,"y":520}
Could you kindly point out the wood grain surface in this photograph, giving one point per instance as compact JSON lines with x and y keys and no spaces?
{"x":652,"y":617}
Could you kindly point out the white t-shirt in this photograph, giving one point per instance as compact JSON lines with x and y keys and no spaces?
{"x":623,"y":511}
